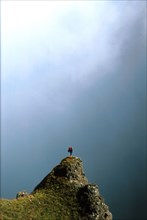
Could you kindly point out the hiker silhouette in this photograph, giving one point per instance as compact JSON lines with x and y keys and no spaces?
{"x":70,"y":150}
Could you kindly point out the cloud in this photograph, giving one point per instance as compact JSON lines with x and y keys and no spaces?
{"x":79,"y":37}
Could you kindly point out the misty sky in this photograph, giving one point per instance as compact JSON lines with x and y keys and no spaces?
{"x":74,"y":73}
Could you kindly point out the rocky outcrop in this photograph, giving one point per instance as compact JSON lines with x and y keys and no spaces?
{"x":68,"y":180}
{"x":92,"y":204}
{"x":69,"y":172}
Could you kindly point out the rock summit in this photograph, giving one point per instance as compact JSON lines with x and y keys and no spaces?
{"x":67,"y":181}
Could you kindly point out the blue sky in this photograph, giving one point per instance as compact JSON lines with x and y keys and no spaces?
{"x":74,"y":73}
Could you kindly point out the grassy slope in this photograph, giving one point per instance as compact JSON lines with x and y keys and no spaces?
{"x":41,"y":205}
{"x":57,"y":202}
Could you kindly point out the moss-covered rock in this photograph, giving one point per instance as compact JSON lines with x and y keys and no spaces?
{"x":63,"y":194}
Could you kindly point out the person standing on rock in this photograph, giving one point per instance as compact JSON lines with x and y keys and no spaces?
{"x":70,"y":150}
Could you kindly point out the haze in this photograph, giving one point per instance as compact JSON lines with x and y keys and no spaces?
{"x":74,"y":73}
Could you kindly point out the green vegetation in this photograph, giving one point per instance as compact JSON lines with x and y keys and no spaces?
{"x":53,"y":199}
{"x":41,"y":205}
{"x":64,"y":194}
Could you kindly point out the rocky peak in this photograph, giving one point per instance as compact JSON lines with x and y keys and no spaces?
{"x":68,"y":179}
{"x":68,"y":172}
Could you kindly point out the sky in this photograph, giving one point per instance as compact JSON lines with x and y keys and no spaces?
{"x":74,"y":73}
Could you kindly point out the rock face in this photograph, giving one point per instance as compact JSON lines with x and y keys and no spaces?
{"x":91,"y":203}
{"x":68,"y":180}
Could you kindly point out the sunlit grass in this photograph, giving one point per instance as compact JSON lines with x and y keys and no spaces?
{"x":41,"y":205}
{"x":56,"y":200}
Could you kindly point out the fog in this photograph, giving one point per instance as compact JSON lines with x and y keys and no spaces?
{"x":74,"y":73}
